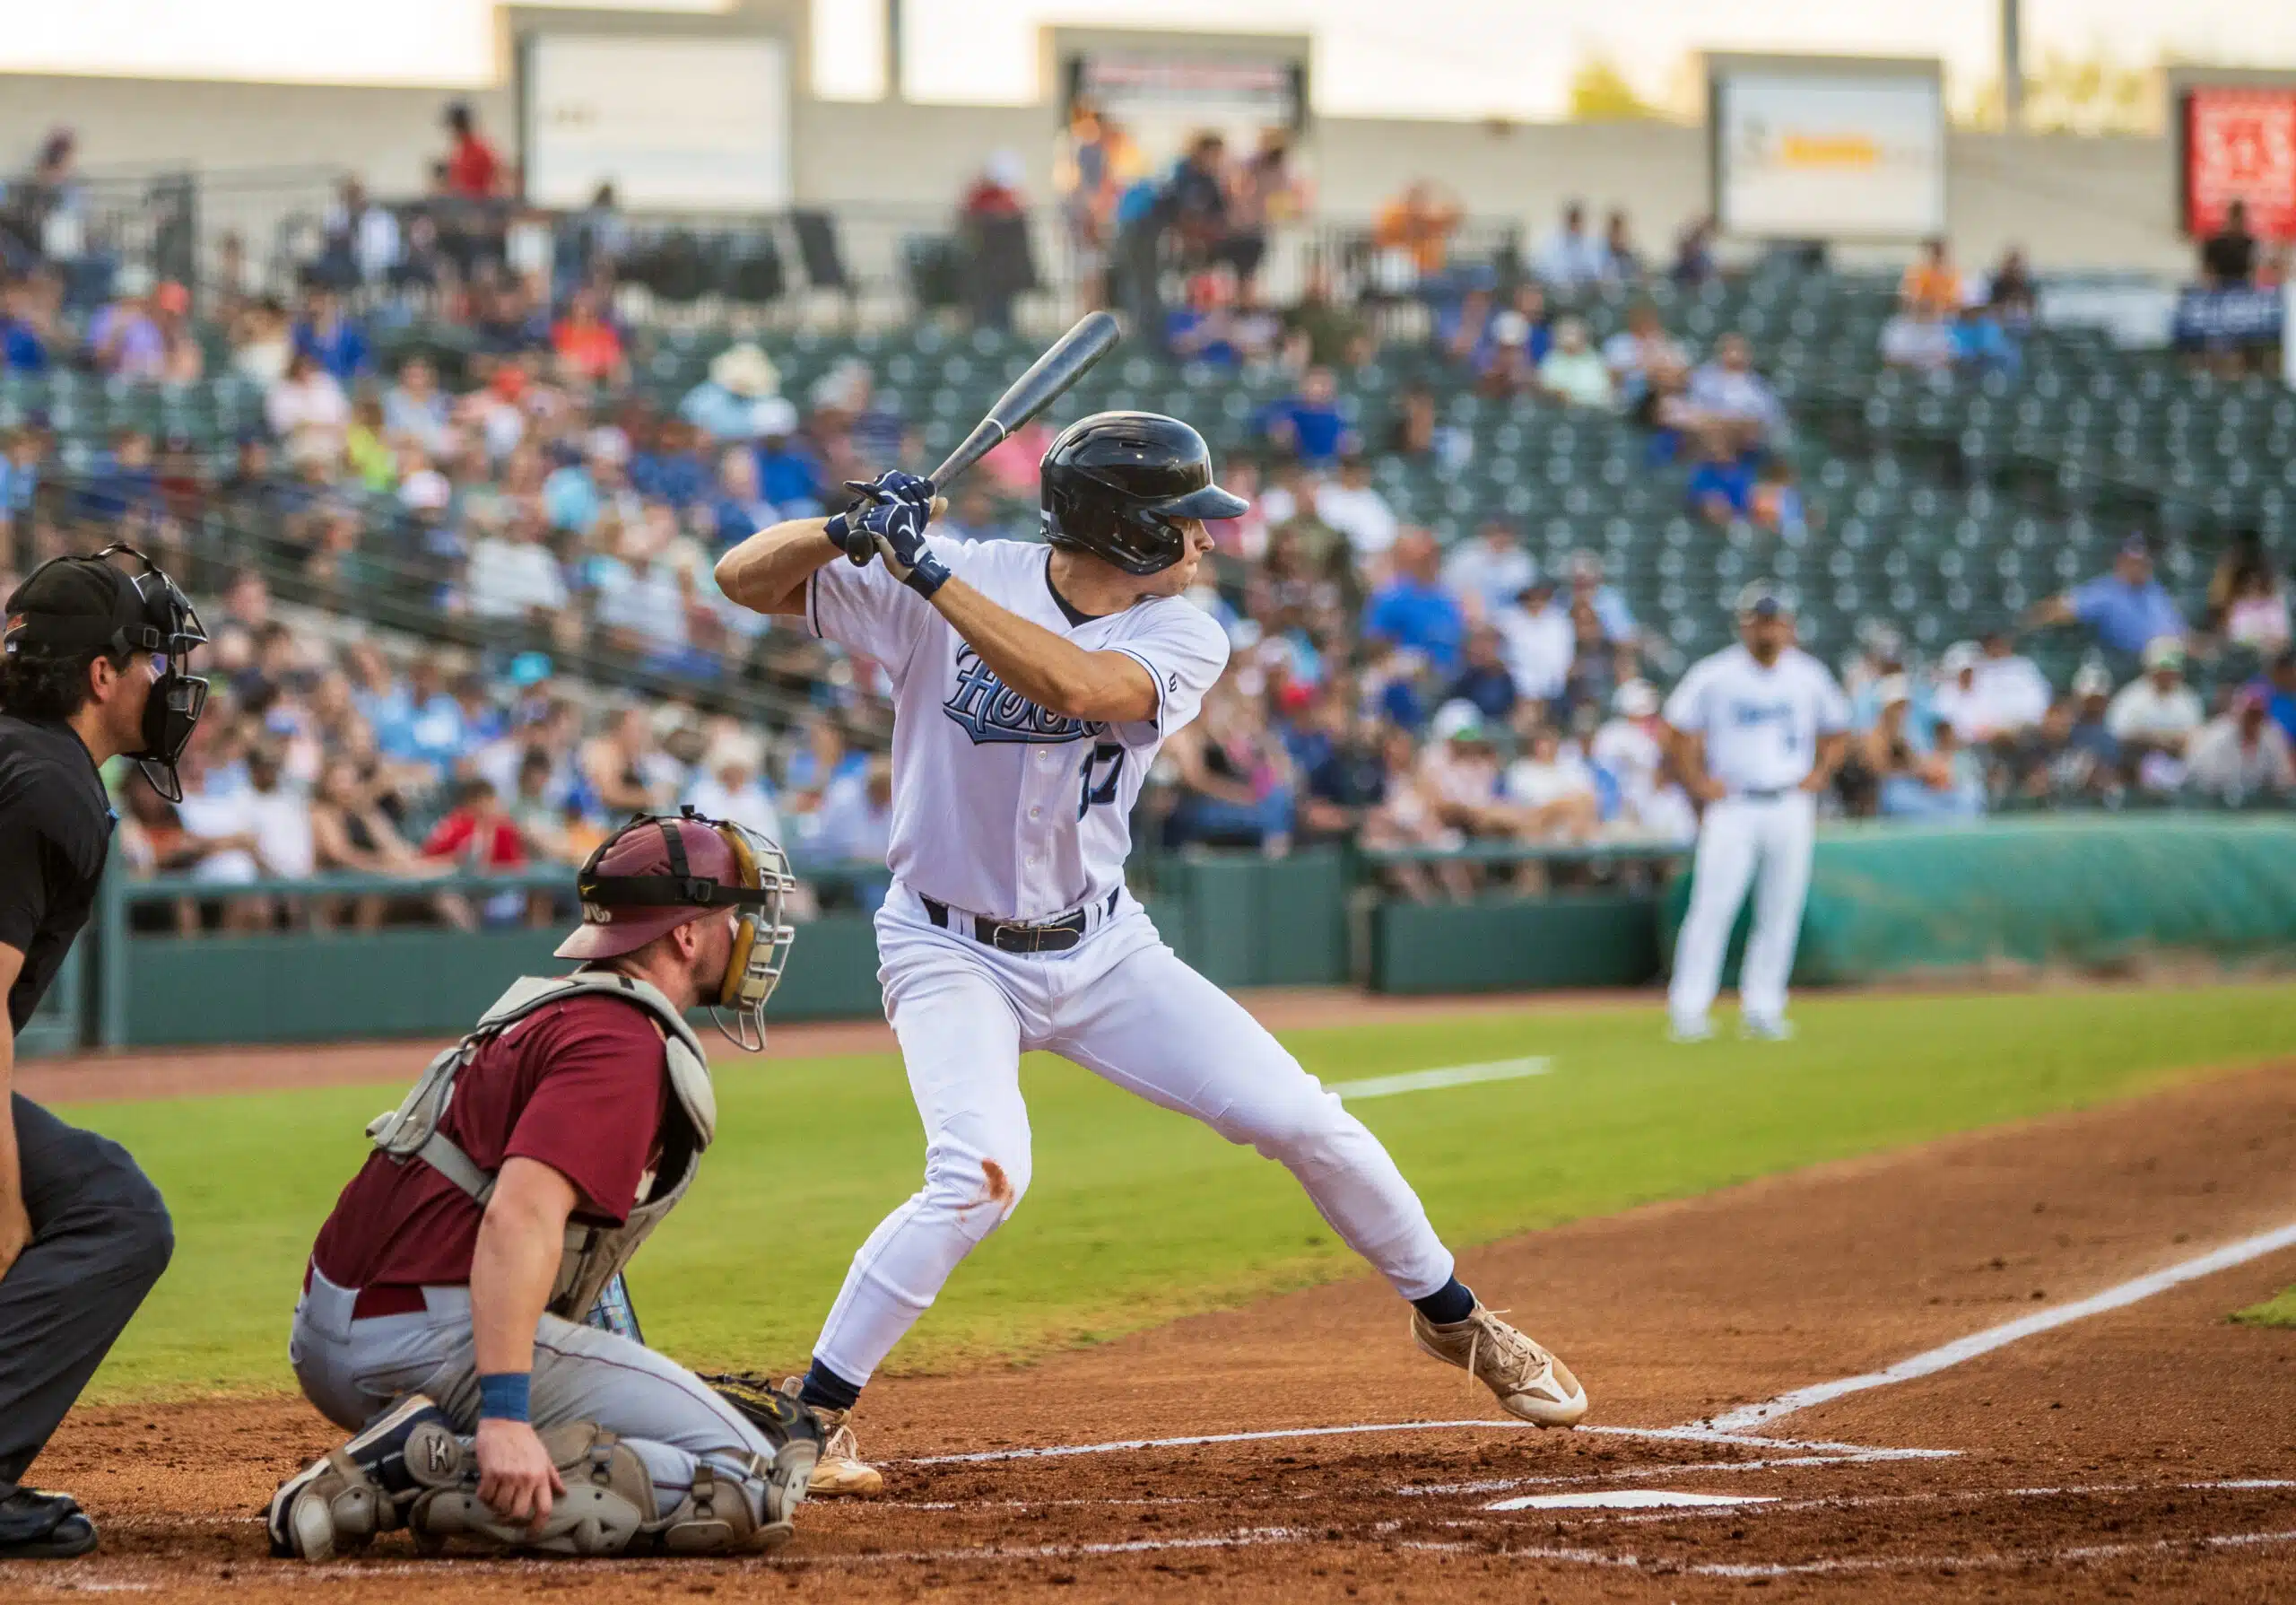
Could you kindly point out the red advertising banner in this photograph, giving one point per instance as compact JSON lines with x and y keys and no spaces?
{"x":2240,"y":144}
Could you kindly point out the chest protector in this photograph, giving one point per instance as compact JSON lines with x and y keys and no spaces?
{"x":593,"y":1254}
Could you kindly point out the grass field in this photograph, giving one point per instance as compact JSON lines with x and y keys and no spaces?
{"x":2279,"y":1311}
{"x":1136,"y":1216}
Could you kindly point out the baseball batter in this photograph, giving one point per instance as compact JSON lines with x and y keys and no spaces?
{"x":441,"y":1320}
{"x":1757,"y":730}
{"x":1032,"y":687}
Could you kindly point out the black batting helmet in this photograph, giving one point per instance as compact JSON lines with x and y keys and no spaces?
{"x":1121,"y":485}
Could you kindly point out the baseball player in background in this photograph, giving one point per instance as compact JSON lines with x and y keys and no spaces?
{"x":1032,"y":688}
{"x":1757,"y":730}
{"x":441,"y":1319}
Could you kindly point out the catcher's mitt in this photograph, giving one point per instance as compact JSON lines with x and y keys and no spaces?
{"x":780,"y":1417}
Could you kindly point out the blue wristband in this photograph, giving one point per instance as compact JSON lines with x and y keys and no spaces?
{"x":930,"y":574}
{"x":502,"y":1396}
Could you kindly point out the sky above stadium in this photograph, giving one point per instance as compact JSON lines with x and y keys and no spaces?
{"x":1459,"y":59}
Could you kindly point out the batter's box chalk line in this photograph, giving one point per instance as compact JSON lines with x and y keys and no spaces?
{"x":1946,"y":1356}
{"x":1693,"y":1435}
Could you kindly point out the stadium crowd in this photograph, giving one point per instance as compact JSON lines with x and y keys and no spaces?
{"x":1383,"y":691}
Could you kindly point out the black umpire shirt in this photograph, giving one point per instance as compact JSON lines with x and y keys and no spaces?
{"x":55,"y":825}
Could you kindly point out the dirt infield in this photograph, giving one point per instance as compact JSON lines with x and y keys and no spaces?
{"x":2145,"y":1451}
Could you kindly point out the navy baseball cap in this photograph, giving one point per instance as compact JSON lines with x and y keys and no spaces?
{"x":1763,"y":600}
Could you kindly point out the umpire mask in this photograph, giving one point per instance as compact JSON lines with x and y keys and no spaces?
{"x":71,"y":605}
{"x":651,"y":876}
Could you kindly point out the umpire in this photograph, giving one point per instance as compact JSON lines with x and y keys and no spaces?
{"x":91,"y":668}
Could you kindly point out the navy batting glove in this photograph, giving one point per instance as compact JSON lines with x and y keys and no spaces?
{"x":846,"y":534}
{"x":893,"y":485}
{"x":897,"y":530}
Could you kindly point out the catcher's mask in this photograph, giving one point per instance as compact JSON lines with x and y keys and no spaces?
{"x":660,"y":872}
{"x":77,"y":606}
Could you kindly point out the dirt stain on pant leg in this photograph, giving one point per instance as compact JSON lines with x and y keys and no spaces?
{"x":1000,"y":1185}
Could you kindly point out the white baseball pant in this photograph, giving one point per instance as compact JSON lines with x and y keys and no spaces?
{"x":1123,"y":1006}
{"x":1765,"y":840}
{"x":354,"y":1370}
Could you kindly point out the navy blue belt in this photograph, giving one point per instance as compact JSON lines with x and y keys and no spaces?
{"x":1014,"y":935}
{"x":1762,"y":793}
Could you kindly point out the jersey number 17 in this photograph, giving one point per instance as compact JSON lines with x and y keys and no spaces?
{"x":1108,"y":762}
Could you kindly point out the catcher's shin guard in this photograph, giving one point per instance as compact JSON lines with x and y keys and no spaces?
{"x":344,"y":1498}
{"x":609,"y":1501}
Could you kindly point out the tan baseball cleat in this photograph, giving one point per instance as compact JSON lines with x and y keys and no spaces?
{"x":841,"y":1473}
{"x":1531,"y":1383}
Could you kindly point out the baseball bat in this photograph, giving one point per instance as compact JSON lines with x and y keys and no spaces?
{"x":1063,"y":363}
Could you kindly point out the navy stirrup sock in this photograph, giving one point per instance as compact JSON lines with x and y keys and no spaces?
{"x":824,"y":1390}
{"x":1447,"y":1306}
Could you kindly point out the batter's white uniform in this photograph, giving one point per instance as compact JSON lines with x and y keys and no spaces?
{"x":1005,"y":811}
{"x":1760,"y":726}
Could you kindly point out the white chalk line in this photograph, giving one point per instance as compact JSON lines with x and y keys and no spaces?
{"x":1694,"y":1433}
{"x":1946,"y":1355}
{"x":1457,"y":1075}
{"x":1661,"y":1565}
{"x":1499,"y":1484}
{"x":1778,"y":1507}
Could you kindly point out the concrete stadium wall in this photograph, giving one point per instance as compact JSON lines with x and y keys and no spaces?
{"x":2072,"y":202}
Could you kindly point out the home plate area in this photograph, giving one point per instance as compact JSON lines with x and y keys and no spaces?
{"x":1999,"y":1367}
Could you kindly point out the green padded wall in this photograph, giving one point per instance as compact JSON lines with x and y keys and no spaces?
{"x":2085,"y":893}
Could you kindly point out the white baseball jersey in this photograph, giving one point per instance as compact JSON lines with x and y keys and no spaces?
{"x":1762,"y":725}
{"x":1001,"y":807}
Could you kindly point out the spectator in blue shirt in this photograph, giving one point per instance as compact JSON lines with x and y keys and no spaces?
{"x":334,"y":341}
{"x":1484,"y":681}
{"x":1413,"y":610}
{"x":738,"y":510}
{"x":788,"y":473}
{"x":1980,"y":344}
{"x":2124,"y":609}
{"x":1308,"y":423}
{"x":1721,"y":486}
{"x":669,"y":468}
{"x":2277,"y":687}
{"x":24,"y":348}
{"x":19,"y":473}
{"x":125,"y":483}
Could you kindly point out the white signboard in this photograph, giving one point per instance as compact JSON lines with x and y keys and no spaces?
{"x":1806,"y":154}
{"x":697,"y":125}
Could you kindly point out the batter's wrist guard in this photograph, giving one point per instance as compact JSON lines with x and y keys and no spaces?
{"x":928,"y":575}
{"x":502,"y":1396}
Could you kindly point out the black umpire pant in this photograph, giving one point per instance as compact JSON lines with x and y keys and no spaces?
{"x":100,"y":1237}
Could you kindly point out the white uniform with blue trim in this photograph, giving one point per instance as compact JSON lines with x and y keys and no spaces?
{"x":1760,"y":728}
{"x":1004,"y":812}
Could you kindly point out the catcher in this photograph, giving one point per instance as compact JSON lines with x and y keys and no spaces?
{"x":441,"y":1315}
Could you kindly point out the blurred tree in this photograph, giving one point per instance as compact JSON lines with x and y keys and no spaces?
{"x":2078,"y":94}
{"x":1600,"y":94}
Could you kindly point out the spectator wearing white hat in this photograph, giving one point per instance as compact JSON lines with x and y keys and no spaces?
{"x":1958,"y":700}
{"x":2155,"y":717}
{"x":1627,"y":747}
{"x":729,"y":784}
{"x":726,"y":405}
{"x":2241,"y":753}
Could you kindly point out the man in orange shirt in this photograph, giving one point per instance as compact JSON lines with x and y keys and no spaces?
{"x":1932,"y":287}
{"x":1417,"y":221}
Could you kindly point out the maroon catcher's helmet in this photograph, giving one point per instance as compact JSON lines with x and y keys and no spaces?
{"x":661,"y":871}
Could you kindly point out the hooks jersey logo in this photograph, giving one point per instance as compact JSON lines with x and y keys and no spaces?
{"x":991,"y":711}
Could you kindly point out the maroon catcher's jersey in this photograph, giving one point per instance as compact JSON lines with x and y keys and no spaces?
{"x":579,"y":1086}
